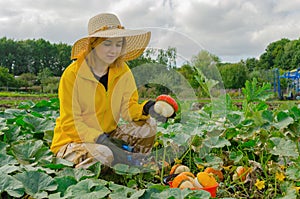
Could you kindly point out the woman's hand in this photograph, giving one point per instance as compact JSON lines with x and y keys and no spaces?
{"x":162,"y":109}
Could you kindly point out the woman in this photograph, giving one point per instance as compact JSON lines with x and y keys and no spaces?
{"x":96,"y":90}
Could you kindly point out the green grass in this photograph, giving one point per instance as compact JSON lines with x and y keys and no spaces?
{"x":13,"y":99}
{"x":23,"y":94}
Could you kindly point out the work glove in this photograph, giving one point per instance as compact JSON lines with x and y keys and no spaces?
{"x":162,"y":109}
{"x":123,"y":153}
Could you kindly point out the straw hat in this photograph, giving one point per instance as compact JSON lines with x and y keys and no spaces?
{"x":107,"y":25}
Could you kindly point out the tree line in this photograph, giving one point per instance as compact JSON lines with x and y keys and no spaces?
{"x":39,"y":62}
{"x":32,"y":56}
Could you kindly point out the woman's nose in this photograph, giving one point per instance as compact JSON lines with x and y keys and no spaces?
{"x":112,"y":48}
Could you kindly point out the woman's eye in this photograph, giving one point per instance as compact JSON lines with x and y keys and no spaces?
{"x":107,"y":44}
{"x":119,"y":44}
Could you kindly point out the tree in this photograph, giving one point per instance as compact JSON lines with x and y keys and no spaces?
{"x":272,"y":58}
{"x":234,"y":75}
{"x":45,"y":77}
{"x":159,"y":62}
{"x":189,"y":73}
{"x":257,"y":74}
{"x":291,"y":57}
{"x":62,"y":58}
{"x":31,"y":56}
{"x":252,"y":64}
{"x":145,"y":58}
{"x":26,"y":80}
{"x":6,"y":79}
{"x":159,"y":56}
{"x":167,"y":57}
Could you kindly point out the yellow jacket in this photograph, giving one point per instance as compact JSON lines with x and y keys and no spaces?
{"x":87,"y":109}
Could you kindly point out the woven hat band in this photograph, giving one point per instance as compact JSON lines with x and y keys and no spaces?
{"x":106,"y":27}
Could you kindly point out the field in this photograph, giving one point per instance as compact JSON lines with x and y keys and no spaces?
{"x":13,"y":99}
{"x":253,"y":144}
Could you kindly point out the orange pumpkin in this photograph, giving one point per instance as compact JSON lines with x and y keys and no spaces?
{"x":183,"y":181}
{"x":205,"y":180}
{"x":215,"y":172}
{"x":188,"y":174}
{"x":179,"y":168}
{"x":241,"y":173}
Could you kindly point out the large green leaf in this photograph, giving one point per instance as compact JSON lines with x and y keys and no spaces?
{"x":181,"y":139}
{"x":123,"y":169}
{"x":267,"y":115}
{"x":235,"y":117}
{"x":37,"y":124}
{"x":30,"y":151}
{"x":295,"y":112}
{"x":26,"y":104}
{"x":283,"y":120}
{"x":213,"y":161}
{"x":216,"y":142}
{"x":64,"y":182}
{"x":125,"y":193}
{"x":236,"y":156}
{"x":36,"y":183}
{"x":3,"y":125}
{"x":293,"y":173}
{"x":57,"y":163}
{"x":46,"y":105}
{"x":283,"y":147}
{"x":13,"y":133}
{"x":13,"y":113}
{"x":7,"y":160}
{"x":9,"y":169}
{"x":257,"y":118}
{"x":77,"y":173}
{"x":86,"y":189}
{"x":3,"y":147}
{"x":114,"y":187}
{"x":175,"y":193}
{"x":55,"y":196}
{"x":34,"y":167}
{"x":12,"y":186}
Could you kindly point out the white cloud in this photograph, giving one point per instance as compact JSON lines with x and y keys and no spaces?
{"x":231,"y":29}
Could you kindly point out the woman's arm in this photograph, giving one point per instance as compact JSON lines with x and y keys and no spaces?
{"x":131,"y":110}
{"x":72,"y":123}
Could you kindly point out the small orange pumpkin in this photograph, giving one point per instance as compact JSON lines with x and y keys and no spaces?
{"x":216,"y":172}
{"x":241,"y":173}
{"x":183,"y":180}
{"x":179,"y":168}
{"x":205,"y":179}
{"x":188,"y":174}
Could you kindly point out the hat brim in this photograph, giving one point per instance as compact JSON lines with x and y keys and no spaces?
{"x":136,"y":42}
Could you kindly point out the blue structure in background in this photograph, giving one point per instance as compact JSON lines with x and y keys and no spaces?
{"x":294,"y":76}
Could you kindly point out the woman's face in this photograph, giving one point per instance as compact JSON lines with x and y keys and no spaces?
{"x":109,"y":50}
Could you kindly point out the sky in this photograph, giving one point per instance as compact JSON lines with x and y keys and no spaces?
{"x":230,"y":29}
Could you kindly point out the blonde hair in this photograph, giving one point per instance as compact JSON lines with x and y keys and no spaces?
{"x":93,"y":42}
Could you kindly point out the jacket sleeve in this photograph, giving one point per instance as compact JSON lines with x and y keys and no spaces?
{"x":70,"y":111}
{"x":131,"y":109}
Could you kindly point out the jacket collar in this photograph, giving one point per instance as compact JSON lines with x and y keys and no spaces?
{"x":85,"y":72}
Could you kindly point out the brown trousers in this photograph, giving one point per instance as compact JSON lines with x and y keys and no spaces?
{"x":140,"y":135}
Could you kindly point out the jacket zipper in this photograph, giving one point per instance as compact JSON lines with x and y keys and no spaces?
{"x":107,"y":97}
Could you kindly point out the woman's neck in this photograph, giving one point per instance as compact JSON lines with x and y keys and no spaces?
{"x":98,"y":67}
